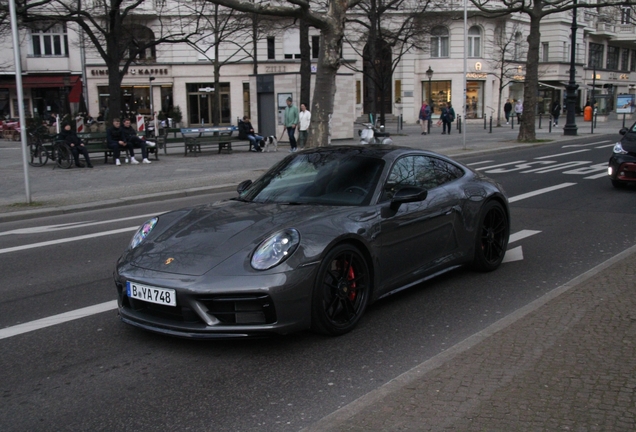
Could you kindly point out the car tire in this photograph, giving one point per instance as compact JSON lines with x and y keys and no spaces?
{"x":618,"y":184}
{"x":341,"y":292}
{"x":491,"y":239}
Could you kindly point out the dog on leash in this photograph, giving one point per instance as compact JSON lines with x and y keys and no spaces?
{"x":269,"y":141}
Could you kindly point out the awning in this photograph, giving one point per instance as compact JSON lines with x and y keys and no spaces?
{"x":550,"y":86}
{"x":42,"y":81}
{"x":76,"y":92}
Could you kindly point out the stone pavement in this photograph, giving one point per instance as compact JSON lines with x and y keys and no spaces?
{"x":564,"y":362}
{"x":54,"y":190}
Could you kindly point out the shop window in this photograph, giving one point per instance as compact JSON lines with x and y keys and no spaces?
{"x":612,"y":57}
{"x":202,"y":100}
{"x":315,"y":47}
{"x":291,"y":44}
{"x":271,"y":48}
{"x":595,"y":58}
{"x":439,"y":42}
{"x":49,"y":40}
{"x":440,"y":92}
{"x":474,"y":41}
{"x":398,"y":91}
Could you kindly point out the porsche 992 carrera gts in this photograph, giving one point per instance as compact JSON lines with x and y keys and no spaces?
{"x":311,"y":243}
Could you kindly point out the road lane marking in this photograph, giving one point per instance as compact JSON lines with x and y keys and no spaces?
{"x":499,"y":165}
{"x":520,"y":235}
{"x":597,"y":176}
{"x":605,"y":146}
{"x":52,"y":228}
{"x":584,"y":145}
{"x":57,"y":319}
{"x":67,"y":240}
{"x":479,"y":163}
{"x":539,"y":192}
{"x":557,"y":167}
{"x":515,"y":254}
{"x":563,"y":154}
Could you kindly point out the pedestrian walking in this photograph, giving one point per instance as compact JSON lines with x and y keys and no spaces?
{"x":556,"y":112}
{"x":291,"y":121}
{"x":447,"y":116}
{"x":507,"y":110}
{"x":304,"y":120}
{"x":519,"y":110}
{"x":425,"y":115}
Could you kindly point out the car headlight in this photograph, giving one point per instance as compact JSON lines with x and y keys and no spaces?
{"x":618,"y":148}
{"x":143,"y":232}
{"x":275,"y":249}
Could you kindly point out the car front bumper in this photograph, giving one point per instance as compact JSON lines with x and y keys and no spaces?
{"x":622,"y":167}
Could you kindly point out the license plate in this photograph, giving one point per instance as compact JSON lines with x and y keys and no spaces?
{"x":151,"y":294}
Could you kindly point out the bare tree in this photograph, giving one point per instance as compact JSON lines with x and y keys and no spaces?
{"x":536,"y":10}
{"x":221,"y":28}
{"x":120,"y":35}
{"x":506,"y":58}
{"x":331,"y":22}
{"x":381,"y":33}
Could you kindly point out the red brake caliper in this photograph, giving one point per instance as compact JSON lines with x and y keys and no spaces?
{"x":351,"y":276}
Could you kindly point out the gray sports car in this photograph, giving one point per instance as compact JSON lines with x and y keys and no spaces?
{"x":311,"y":243}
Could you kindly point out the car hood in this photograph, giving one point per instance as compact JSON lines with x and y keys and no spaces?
{"x":195,"y":240}
{"x":629,"y":142}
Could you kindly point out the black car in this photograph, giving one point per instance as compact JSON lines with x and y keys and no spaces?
{"x":311,"y":243}
{"x":622,"y":164}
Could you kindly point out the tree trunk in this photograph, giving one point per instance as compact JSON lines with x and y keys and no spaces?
{"x":328,"y":64}
{"x":305,"y":64}
{"x":531,"y":86}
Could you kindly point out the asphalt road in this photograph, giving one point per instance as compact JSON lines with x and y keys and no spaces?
{"x":95,"y":373}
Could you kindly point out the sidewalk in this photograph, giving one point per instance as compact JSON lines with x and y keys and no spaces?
{"x":566,"y":362}
{"x":59,"y":191}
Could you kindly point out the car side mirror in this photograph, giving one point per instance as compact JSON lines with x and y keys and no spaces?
{"x":623,"y":131}
{"x":406,"y":195}
{"x":243,"y":186}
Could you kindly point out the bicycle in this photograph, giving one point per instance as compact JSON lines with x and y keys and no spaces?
{"x":59,"y":151}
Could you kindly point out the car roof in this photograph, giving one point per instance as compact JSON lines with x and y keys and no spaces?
{"x":380,"y":151}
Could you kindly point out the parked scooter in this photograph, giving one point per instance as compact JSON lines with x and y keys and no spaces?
{"x":373,"y":135}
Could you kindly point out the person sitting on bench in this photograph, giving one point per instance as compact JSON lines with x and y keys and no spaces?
{"x":246,"y":131}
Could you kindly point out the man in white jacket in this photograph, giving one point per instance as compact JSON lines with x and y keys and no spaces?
{"x":304,"y":118}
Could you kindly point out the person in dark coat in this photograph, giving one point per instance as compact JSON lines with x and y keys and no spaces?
{"x":76,"y":145}
{"x":133,"y":141}
{"x":507,"y":110}
{"x":116,"y":141}
{"x":246,"y":131}
{"x":556,"y":112}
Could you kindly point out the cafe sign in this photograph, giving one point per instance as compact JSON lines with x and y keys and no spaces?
{"x":134,"y":71}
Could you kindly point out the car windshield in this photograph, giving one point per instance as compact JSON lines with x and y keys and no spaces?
{"x":321,"y":177}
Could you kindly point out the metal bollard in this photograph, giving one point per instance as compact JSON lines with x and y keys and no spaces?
{"x":550,"y":125}
{"x":428,"y":125}
{"x":485,"y":118}
{"x":623,"y":119}
{"x":490,"y":131}
{"x":540,"y":120}
{"x":459,"y":124}
{"x":512,"y":122}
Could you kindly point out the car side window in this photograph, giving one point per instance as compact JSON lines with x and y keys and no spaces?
{"x":425,"y":172}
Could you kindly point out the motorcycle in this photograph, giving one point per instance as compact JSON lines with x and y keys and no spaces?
{"x":373,"y":135}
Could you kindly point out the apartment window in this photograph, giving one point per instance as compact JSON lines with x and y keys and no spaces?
{"x":626,"y":15}
{"x":271,"y":48}
{"x":291,"y":44}
{"x":517,"y":48}
{"x":439,"y":42}
{"x":474,"y":42}
{"x":315,"y":47}
{"x":205,"y":47}
{"x":50,"y":40}
{"x":632,"y":65}
{"x":613,"y":54}
{"x":595,"y":59}
{"x":358,"y":92}
{"x":246,"y":99}
{"x":545,"y":51}
{"x":625,"y":60}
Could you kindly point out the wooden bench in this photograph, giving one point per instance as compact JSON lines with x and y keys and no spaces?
{"x":221,"y":136}
{"x":95,"y":142}
{"x":168,"y":136}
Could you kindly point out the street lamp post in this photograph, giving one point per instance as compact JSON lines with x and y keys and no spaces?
{"x":152,"y":108}
{"x":429,"y":74}
{"x":570,"y":126}
{"x":593,"y":100}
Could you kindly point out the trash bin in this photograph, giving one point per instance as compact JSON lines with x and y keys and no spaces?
{"x":587,"y":113}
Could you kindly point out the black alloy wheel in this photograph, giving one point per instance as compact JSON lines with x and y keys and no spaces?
{"x":342,"y":291}
{"x":492,"y":237}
